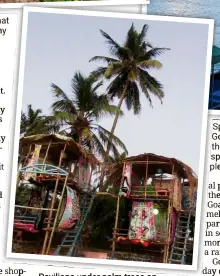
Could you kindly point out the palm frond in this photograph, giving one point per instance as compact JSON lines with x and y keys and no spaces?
{"x":101,"y":111}
{"x":33,"y":122}
{"x":143,"y":33}
{"x":152,"y":53}
{"x":64,"y":103}
{"x":33,"y":114}
{"x":117,"y":85}
{"x":115,"y":140}
{"x":150,"y":63}
{"x":96,"y":87}
{"x":64,"y":117}
{"x":112,"y":44}
{"x":99,"y":72}
{"x":149,"y":84}
{"x":99,"y":148}
{"x":106,"y":141}
{"x":131,"y":42}
{"x":132,"y":99}
{"x":113,"y":69}
{"x":52,"y":125}
{"x":103,"y":59}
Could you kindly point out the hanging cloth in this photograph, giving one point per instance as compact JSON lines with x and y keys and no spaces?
{"x":33,"y":161}
{"x":72,"y":211}
{"x":142,"y":224}
{"x":84,"y":175}
{"x":126,"y":185}
{"x":173,"y":224}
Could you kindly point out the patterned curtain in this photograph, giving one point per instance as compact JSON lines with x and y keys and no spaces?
{"x":142,"y":224}
{"x":71,"y":212}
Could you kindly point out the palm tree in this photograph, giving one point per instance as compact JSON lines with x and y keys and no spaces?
{"x":127,"y":69}
{"x":79,"y":113}
{"x":34,"y":122}
{"x":118,"y":158}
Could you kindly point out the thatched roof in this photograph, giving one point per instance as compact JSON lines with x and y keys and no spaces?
{"x":154,"y":162}
{"x":73,"y":149}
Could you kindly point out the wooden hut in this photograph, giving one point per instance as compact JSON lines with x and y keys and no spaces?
{"x":57,"y":167}
{"x":161,"y":193}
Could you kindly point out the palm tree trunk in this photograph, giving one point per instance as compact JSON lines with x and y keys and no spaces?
{"x":111,"y":134}
{"x":81,"y":115}
{"x":116,"y":120}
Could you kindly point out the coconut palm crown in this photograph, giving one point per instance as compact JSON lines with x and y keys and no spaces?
{"x":79,"y":113}
{"x":128,"y":68}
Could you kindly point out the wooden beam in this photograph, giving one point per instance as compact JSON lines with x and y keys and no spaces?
{"x":33,"y":208}
{"x":170,"y":206}
{"x":46,"y":154}
{"x":145,"y":182}
{"x":117,"y":212}
{"x":144,"y":162}
{"x":53,"y":202}
{"x":56,"y":217}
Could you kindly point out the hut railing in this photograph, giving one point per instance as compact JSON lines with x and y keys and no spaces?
{"x":140,"y":190}
{"x":23,"y":214}
{"x":161,"y":236}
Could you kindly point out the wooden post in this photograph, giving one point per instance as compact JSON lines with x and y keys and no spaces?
{"x":170,"y":204}
{"x":145,"y":182}
{"x":33,"y":208}
{"x":50,"y":216}
{"x":27,"y":156}
{"x":173,"y":182}
{"x":46,"y":154}
{"x":57,"y":216}
{"x":166,"y":250}
{"x":52,"y":204}
{"x":117,"y":212}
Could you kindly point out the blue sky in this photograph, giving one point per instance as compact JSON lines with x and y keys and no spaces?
{"x":59,"y":45}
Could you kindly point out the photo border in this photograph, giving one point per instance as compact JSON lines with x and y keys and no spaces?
{"x":214,"y":112}
{"x":64,"y":259}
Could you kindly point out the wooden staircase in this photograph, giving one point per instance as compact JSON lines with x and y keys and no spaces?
{"x":72,"y":237}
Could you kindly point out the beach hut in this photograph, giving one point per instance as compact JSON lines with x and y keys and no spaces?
{"x":161,"y":193}
{"x":56,"y":173}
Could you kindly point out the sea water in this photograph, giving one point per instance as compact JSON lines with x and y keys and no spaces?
{"x":190,"y":8}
